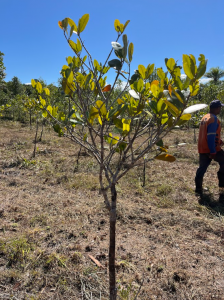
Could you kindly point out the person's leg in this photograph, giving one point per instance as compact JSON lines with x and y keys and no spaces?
{"x":204,"y":162}
{"x":220,"y":159}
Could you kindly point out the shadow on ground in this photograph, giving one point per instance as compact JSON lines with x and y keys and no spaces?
{"x":213,"y":204}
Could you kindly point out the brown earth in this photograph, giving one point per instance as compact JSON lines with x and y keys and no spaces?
{"x":170,"y":243}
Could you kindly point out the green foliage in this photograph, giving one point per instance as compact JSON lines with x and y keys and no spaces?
{"x":215,"y":74}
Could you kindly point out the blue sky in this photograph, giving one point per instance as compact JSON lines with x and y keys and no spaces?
{"x":34,"y":45}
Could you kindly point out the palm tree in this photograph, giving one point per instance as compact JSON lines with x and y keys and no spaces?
{"x":215,"y":74}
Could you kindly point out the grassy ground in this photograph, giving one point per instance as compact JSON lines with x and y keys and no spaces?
{"x":169,"y":242}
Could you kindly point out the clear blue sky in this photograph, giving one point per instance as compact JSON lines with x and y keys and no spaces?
{"x":34,"y":45}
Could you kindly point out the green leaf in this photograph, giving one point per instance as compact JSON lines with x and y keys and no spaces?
{"x":65,"y":23}
{"x":126,"y":24}
{"x":130,"y":51}
{"x":153,"y":106}
{"x":142,"y":70}
{"x":188,"y":65}
{"x":159,"y":143}
{"x":58,"y":129}
{"x":140,"y":85}
{"x":161,"y":106}
{"x":201,"y":68}
{"x":115,"y":63}
{"x":82,"y":23}
{"x":149,"y":70}
{"x":79,"y":46}
{"x":125,"y":42}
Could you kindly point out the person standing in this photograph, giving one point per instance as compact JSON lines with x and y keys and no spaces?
{"x":209,"y":146}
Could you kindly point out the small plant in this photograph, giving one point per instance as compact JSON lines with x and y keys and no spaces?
{"x":17,"y":251}
{"x":120,"y":130}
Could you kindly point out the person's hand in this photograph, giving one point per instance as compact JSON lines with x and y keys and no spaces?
{"x":212,"y":155}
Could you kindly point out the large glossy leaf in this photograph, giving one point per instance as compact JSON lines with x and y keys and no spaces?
{"x":83,"y":22}
{"x":194,"y":108}
{"x":170,"y":64}
{"x":72,"y":24}
{"x":188,"y":65}
{"x":134,"y":94}
{"x":166,"y":157}
{"x":115,"y":63}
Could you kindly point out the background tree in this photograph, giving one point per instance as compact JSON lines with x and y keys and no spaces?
{"x":121,"y":131}
{"x":15,"y":86}
{"x":215,"y":74}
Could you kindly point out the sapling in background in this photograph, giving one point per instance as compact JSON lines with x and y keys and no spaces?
{"x":125,"y":129}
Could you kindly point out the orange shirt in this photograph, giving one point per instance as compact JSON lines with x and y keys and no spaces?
{"x":209,"y":134}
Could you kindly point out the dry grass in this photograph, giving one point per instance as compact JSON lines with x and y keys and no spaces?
{"x":52,"y":217}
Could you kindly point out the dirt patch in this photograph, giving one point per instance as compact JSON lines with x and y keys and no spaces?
{"x":169,"y":242}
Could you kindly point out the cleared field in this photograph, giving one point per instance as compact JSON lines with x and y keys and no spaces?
{"x":52,"y":219}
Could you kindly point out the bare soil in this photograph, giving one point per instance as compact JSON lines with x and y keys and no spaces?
{"x":170,"y":242}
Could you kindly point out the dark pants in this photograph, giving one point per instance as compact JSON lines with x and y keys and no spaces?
{"x":204,"y":162}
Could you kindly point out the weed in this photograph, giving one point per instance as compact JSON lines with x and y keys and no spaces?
{"x":39,"y":219}
{"x":55,"y":259}
{"x":16,"y":251}
{"x":28,"y":163}
{"x":164,"y":190}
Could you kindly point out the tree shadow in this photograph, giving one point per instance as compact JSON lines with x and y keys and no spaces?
{"x":214,"y":205}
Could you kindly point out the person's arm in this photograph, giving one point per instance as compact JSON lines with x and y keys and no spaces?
{"x":211,"y":134}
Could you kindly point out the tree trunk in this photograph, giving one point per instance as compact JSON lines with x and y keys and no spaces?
{"x":35,"y":142}
{"x":113,"y":217}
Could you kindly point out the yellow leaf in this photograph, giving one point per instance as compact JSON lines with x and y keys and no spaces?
{"x":173,"y":108}
{"x":47,"y":92}
{"x":120,"y":101}
{"x":72,"y":23}
{"x":117,"y":25}
{"x":33,"y":82}
{"x":185,"y":117}
{"x":142,"y":70}
{"x":101,"y":105}
{"x":83,"y":22}
{"x":130,"y":51}
{"x":39,"y":87}
{"x":100,"y":120}
{"x":115,"y":140}
{"x":126,"y":125}
{"x":49,"y":108}
{"x":166,"y":157}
